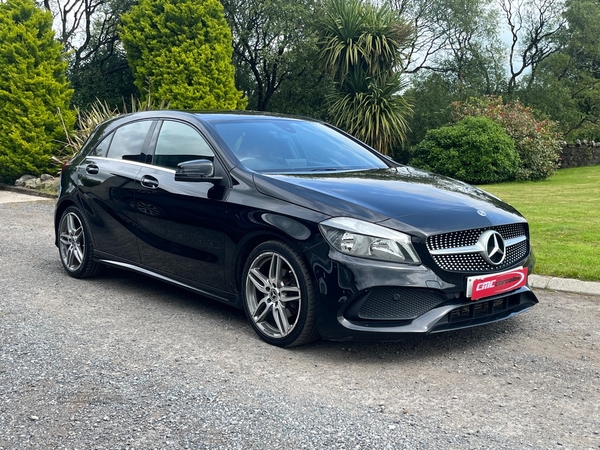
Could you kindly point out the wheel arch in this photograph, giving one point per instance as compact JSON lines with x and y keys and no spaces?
{"x":249,"y":244}
{"x":61,"y":206}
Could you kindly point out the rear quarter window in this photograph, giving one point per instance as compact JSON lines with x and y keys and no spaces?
{"x":102,"y":148}
{"x":128,"y":141}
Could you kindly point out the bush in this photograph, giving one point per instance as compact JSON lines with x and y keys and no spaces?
{"x":33,"y":87}
{"x":537,"y":141}
{"x":474,"y":150}
{"x":182,"y":50}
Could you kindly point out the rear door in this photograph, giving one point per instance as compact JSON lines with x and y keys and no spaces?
{"x":107,"y":187}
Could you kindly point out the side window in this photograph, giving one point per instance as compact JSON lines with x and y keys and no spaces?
{"x":178,"y":142}
{"x":102,"y":148}
{"x":128,"y":141}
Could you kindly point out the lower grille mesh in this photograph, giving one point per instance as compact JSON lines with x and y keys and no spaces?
{"x":398,"y":303}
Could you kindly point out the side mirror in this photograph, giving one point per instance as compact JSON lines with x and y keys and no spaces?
{"x":197,"y":170}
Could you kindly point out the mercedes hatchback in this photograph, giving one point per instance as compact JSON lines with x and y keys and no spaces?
{"x":311,"y":232}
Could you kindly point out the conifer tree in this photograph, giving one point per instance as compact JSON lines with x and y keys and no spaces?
{"x":180,"y":51}
{"x":33,"y":87}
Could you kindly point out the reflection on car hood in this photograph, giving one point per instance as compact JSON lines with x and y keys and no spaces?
{"x":408,"y":199}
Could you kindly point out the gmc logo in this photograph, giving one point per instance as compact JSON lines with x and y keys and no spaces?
{"x":486,"y":285}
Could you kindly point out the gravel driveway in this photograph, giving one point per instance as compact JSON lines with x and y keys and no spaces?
{"x":123,"y":361}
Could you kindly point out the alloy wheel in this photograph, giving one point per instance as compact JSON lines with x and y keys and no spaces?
{"x":72,"y":242}
{"x":273,"y":295}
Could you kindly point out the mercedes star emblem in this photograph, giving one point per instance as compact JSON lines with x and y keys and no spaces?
{"x":494,"y":248}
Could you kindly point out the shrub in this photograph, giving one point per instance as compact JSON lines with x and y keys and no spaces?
{"x":33,"y":87}
{"x":474,"y":150}
{"x":183,"y":48}
{"x":537,"y":141}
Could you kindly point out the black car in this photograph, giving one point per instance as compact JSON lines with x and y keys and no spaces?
{"x":309,"y":230}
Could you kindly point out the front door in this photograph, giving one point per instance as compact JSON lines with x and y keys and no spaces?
{"x":180,"y":223}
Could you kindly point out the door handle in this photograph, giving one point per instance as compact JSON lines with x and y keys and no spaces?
{"x":92,"y":169}
{"x":149,"y":182}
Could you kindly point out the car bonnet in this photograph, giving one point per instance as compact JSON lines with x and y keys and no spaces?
{"x":408,"y":199}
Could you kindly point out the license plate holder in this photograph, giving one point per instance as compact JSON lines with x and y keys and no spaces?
{"x":496,"y":283}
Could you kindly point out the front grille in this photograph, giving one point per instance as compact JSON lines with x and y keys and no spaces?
{"x":469,"y":237}
{"x":398,"y":303}
{"x":474,"y":262}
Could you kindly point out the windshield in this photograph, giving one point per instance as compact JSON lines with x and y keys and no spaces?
{"x":280,"y":145}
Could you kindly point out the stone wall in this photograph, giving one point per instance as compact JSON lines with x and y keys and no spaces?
{"x":580,"y":155}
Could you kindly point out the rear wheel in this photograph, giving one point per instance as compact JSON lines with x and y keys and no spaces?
{"x":75,"y":245}
{"x":278,"y":295}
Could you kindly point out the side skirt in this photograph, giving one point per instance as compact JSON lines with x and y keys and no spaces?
{"x":224,"y":297}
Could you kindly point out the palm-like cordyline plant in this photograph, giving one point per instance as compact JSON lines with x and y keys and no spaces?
{"x":376,"y":115}
{"x":360,"y":45}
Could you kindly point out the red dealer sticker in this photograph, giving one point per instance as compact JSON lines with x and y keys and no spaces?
{"x":498,"y":283}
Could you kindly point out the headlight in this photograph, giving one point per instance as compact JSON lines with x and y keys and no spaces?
{"x":367,"y":240}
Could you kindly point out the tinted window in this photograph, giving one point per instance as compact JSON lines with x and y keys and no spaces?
{"x":102,"y":148}
{"x":128,"y":141}
{"x":178,"y":142}
{"x":284,"y":145}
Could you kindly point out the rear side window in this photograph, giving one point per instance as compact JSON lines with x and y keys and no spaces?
{"x":128,"y":141}
{"x":102,"y":148}
{"x":177,"y":143}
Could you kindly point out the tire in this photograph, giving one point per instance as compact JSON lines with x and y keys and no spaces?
{"x":278,"y":295}
{"x":75,"y":245}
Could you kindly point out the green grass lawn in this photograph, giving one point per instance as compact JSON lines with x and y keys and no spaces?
{"x":564,"y":218}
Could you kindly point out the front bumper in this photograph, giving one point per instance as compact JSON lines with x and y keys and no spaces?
{"x":367,"y":300}
{"x":443,"y":318}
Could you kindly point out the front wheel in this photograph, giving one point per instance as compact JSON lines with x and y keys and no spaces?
{"x":278,"y":295}
{"x":75,"y":245}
